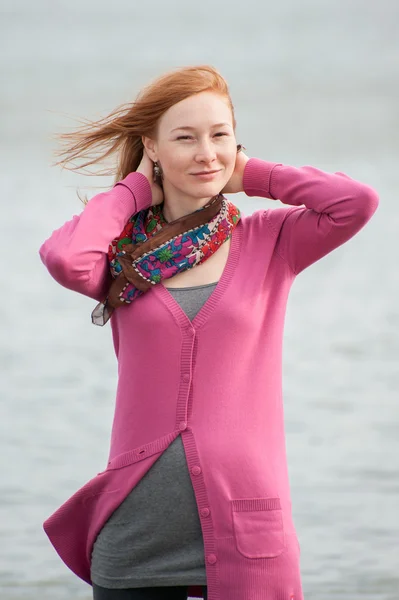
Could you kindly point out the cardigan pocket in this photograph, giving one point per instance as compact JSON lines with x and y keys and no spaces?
{"x":258,"y":527}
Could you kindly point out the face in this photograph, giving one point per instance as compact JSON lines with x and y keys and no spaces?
{"x":195,"y":146}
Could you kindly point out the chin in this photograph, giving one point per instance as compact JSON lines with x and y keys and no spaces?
{"x":205,"y":189}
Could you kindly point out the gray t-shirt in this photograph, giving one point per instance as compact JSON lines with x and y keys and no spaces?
{"x":154,"y":537}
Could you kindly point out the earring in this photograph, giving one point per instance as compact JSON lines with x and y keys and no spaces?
{"x":158,"y":170}
{"x":240,"y":147}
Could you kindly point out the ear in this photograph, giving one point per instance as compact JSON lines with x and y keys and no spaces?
{"x":151,"y":146}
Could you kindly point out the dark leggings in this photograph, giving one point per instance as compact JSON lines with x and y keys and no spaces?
{"x":148,"y":593}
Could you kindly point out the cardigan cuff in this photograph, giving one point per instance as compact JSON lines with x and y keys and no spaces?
{"x":257,"y":177}
{"x":136,"y":193}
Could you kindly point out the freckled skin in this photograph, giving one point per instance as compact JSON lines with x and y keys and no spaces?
{"x":209,"y":144}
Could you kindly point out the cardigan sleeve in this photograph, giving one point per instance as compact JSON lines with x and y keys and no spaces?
{"x":329,"y":208}
{"x":76,"y":254}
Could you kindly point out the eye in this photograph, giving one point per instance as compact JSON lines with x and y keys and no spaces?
{"x":220,"y":133}
{"x":184,"y":137}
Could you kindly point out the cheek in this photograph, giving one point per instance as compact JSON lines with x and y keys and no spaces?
{"x":230,"y":154}
{"x":231,"y":161}
{"x":175,"y":164}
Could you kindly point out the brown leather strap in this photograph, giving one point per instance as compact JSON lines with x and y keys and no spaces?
{"x":135,"y":251}
{"x":175,"y":228}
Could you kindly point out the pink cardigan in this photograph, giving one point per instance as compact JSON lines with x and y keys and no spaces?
{"x":216,"y":380}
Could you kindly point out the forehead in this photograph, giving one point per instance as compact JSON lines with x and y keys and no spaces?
{"x":199,"y":111}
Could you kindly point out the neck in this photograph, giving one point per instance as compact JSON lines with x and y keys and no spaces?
{"x":178,"y":205}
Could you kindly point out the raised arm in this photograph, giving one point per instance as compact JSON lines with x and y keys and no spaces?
{"x":335,"y":207}
{"x":76,"y":253}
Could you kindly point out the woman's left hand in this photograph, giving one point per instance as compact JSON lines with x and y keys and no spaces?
{"x":235,"y":183}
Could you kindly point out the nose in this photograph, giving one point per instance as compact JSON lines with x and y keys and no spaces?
{"x":206,"y":152}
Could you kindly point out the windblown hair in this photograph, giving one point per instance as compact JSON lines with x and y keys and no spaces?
{"x":120,"y":133}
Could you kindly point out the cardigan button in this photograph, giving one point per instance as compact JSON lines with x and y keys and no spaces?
{"x":196,"y":470}
{"x":205,"y":512}
{"x":212,"y":559}
{"x":182,"y":425}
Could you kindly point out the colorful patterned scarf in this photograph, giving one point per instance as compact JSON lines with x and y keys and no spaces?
{"x":150,"y":249}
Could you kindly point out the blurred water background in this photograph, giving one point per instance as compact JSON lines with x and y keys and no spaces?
{"x":313,"y":82}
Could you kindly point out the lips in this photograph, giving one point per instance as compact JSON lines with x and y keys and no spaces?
{"x":206,"y":172}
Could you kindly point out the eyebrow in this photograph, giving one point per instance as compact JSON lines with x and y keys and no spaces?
{"x":193,"y":128}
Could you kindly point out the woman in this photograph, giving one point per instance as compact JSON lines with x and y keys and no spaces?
{"x":195,"y":498}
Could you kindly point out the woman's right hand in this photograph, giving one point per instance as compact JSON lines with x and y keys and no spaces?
{"x":146,"y":167}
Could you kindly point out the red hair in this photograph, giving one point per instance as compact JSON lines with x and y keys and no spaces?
{"x":122,"y":130}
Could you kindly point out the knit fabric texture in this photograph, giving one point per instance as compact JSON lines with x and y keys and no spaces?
{"x":154,"y":537}
{"x":216,"y":381}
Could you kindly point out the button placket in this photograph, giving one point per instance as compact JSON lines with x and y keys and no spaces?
{"x":185,"y":378}
{"x":195,"y":469}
